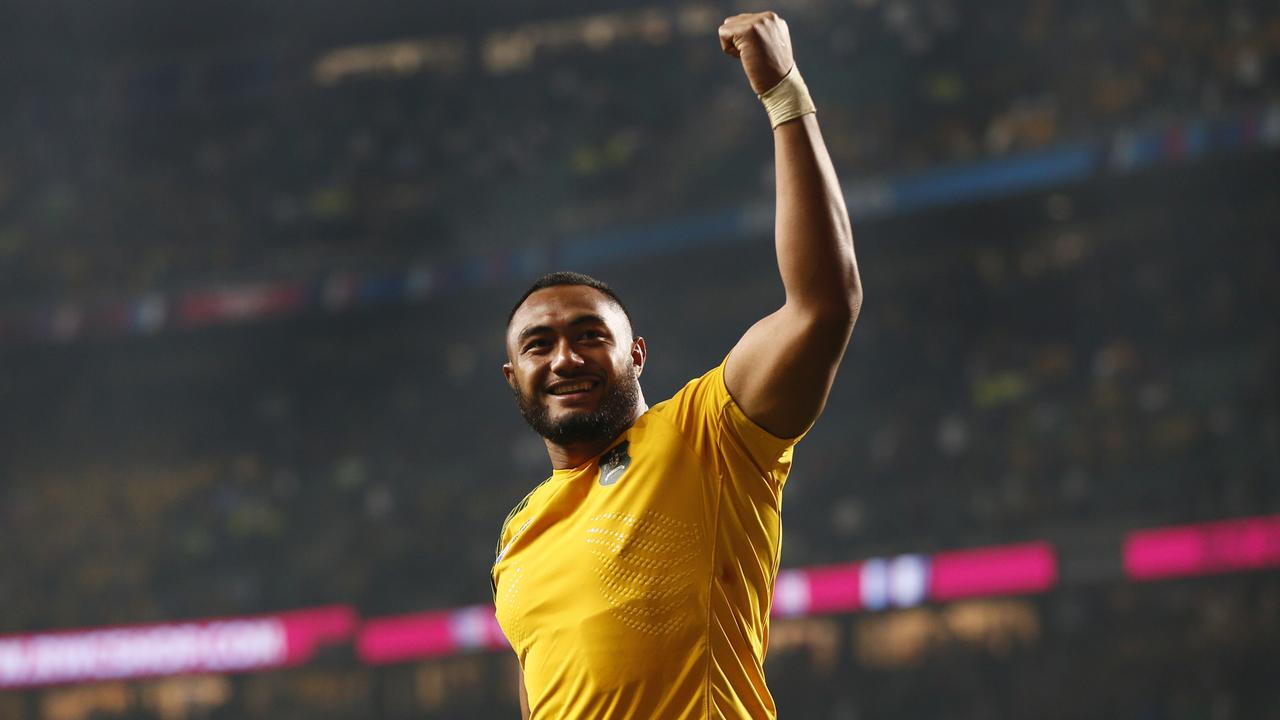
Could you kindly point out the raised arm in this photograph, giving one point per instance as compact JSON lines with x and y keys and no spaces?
{"x":781,"y":371}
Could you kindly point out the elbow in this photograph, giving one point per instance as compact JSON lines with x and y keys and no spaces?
{"x":855,"y":303}
{"x":832,"y":294}
{"x":850,"y":303}
{"x":852,"y":306}
{"x":841,"y":300}
{"x":841,"y":310}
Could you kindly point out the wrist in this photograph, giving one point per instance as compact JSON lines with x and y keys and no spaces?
{"x":787,"y":100}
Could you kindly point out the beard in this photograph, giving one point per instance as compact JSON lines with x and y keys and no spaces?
{"x":607,"y":421}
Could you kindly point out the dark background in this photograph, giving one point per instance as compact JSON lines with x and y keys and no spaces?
{"x":1064,"y":356}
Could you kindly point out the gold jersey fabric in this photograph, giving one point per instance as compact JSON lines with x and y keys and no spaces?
{"x":638,"y":585}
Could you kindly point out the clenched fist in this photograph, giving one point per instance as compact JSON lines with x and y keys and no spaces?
{"x":762,"y":43}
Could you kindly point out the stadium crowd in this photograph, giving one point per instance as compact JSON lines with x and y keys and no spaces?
{"x":1091,"y":363}
{"x":160,"y":172}
{"x":1118,"y":370}
{"x":1099,"y":357}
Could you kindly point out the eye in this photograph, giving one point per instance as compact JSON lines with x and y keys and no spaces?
{"x":537,"y":344}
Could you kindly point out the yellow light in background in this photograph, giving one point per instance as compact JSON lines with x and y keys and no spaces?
{"x":79,"y":702}
{"x":441,"y":55}
{"x":907,"y":637}
{"x":176,"y":698}
{"x":698,"y":19}
{"x":819,"y":636}
{"x":508,"y":51}
{"x":514,"y":49}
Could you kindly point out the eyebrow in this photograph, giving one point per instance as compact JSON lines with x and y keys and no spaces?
{"x":588,"y":319}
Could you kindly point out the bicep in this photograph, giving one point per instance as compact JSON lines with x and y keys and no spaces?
{"x":781,"y":371}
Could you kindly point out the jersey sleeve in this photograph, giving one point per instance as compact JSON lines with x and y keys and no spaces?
{"x":719,"y":431}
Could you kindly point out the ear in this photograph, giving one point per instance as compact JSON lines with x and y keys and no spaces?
{"x":510,"y":374}
{"x":638,"y":354}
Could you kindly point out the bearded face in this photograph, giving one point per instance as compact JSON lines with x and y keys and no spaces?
{"x":610,"y":417}
{"x":574,"y":366}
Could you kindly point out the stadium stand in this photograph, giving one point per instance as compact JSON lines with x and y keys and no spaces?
{"x":1058,"y":363}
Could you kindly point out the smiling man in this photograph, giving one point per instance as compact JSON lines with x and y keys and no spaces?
{"x":636,"y":581}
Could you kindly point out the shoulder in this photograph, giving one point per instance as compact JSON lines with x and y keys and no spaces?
{"x":706,"y":413}
{"x":703,"y":394}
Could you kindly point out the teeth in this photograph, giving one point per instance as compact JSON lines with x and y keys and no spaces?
{"x":565,"y":390}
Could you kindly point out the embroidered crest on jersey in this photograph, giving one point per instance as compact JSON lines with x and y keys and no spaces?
{"x":614,"y":464}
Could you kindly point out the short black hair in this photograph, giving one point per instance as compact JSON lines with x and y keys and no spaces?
{"x":565,"y":277}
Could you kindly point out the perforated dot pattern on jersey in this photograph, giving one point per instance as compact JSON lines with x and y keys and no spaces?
{"x":511,"y":598}
{"x":645,"y":567}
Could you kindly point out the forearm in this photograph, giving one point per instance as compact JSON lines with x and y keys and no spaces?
{"x":781,"y":370}
{"x":815,"y":244}
{"x":812,"y":233}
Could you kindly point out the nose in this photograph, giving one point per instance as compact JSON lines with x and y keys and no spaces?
{"x":565,"y":360}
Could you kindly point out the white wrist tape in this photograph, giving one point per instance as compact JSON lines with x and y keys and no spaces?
{"x":787,"y":100}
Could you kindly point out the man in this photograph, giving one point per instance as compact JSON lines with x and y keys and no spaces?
{"x":636,"y":581}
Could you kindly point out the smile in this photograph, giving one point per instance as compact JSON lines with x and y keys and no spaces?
{"x":574,"y":387}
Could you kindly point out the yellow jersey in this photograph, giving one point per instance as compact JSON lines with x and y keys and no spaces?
{"x":638,"y":584}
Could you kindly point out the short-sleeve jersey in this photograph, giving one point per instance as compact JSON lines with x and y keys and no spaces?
{"x":638,"y":584}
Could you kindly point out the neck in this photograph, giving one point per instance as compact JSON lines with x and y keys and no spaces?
{"x":564,"y":457}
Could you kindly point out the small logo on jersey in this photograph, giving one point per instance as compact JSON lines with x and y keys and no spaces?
{"x":614,"y":464}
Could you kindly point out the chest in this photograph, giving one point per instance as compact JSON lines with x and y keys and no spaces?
{"x":619,"y":549}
